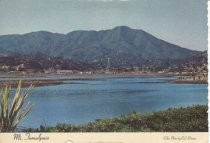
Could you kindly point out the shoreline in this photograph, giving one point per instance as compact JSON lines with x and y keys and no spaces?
{"x":57,"y":79}
{"x":87,"y":75}
{"x":189,"y":81}
{"x":27,"y":83}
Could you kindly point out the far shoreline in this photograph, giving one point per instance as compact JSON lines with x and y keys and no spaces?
{"x":19,"y":75}
{"x":50,"y":79}
{"x":189,"y":82}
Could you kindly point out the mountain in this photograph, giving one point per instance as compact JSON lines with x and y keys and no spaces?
{"x":198,"y":63}
{"x":125,"y":47}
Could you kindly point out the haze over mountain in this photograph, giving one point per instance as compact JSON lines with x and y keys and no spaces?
{"x":122,"y":45}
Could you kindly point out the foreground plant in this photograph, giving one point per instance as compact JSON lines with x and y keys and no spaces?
{"x":12,"y":113}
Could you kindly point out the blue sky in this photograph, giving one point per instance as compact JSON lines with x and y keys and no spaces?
{"x":181,"y":22}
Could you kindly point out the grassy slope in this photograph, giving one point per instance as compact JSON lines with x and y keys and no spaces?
{"x":190,"y":119}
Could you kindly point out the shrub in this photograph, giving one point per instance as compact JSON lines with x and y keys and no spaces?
{"x":12,"y":113}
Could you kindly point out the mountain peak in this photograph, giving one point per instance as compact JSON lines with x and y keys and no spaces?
{"x":39,"y":33}
{"x":122,"y":28}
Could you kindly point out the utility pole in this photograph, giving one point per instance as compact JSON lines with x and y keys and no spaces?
{"x":108,"y":64}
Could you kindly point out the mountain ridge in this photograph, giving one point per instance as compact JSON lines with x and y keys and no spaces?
{"x":125,"y":46}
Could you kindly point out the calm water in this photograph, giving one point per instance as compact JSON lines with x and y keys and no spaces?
{"x":82,"y":101}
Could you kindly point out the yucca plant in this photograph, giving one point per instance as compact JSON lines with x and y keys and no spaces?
{"x":14,"y":111}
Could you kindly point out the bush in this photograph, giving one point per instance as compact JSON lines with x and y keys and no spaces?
{"x":12,"y":114}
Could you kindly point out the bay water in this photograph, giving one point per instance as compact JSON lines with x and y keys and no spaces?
{"x":83,"y":101}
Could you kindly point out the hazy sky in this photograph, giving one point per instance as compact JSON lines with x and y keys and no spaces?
{"x":182,"y":22}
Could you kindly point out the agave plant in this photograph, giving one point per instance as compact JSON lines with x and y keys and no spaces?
{"x":14,"y":111}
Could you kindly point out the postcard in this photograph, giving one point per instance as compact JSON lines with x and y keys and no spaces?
{"x":103,"y":71}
